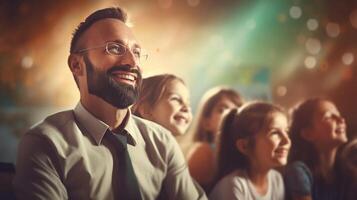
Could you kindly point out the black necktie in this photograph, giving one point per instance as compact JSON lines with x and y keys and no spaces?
{"x":128,"y":183}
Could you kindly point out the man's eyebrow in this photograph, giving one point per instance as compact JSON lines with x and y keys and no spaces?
{"x":124,"y":43}
{"x":137,"y":46}
{"x":117,"y":41}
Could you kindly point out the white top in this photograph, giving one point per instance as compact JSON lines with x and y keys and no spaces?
{"x":236,"y":185}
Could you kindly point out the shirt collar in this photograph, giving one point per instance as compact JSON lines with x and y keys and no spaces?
{"x":97,"y":128}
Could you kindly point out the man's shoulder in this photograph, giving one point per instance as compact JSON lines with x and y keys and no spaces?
{"x":54,"y":124}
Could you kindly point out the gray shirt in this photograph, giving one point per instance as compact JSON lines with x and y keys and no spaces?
{"x":67,"y":156}
{"x":236,"y":186}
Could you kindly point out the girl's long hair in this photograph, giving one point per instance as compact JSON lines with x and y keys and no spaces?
{"x":205,"y":108}
{"x":302,"y":119}
{"x":245,"y":124}
{"x":152,"y":90}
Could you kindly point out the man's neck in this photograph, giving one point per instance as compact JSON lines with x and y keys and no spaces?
{"x":104,"y":111}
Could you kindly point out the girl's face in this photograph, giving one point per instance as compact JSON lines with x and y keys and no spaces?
{"x":328,"y":128}
{"x":272,"y":143}
{"x":173,"y":110}
{"x":213,"y":122}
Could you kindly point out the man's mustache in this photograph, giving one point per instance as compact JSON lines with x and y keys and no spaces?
{"x":126,"y":68}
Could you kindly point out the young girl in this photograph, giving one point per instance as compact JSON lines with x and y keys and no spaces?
{"x":199,"y":144}
{"x":165,"y":99}
{"x":253,"y":142}
{"x":317,"y":131}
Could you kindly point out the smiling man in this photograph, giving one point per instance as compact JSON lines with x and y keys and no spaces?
{"x":99,"y":150}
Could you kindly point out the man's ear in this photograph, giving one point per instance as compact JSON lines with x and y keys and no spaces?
{"x":75,"y":63}
{"x":242,"y":146}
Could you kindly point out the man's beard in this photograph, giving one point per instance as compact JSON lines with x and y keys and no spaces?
{"x":102,"y":85}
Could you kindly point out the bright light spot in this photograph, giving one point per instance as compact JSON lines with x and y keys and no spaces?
{"x":347,"y":58}
{"x":165,"y":3}
{"x":281,"y":91}
{"x":237,"y":61}
{"x":353,"y":18}
{"x":312,"y":24}
{"x":193,"y":3}
{"x":313,"y":46}
{"x":251,"y":24}
{"x":295,"y":12}
{"x":227,"y":56}
{"x":217,"y":41}
{"x":332,"y":29}
{"x":27,"y":62}
{"x":310,"y":62}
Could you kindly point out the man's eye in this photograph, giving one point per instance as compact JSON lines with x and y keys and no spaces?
{"x":116,"y":49}
{"x":137,"y":53}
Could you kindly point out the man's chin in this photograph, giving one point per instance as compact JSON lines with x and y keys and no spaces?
{"x":120,"y":100}
{"x":120,"y":106}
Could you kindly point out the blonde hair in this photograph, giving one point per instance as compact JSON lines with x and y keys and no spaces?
{"x":152,"y":90}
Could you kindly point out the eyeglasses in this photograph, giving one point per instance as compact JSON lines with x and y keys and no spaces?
{"x":118,"y":49}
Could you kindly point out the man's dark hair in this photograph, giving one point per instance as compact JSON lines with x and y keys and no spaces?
{"x":115,"y":13}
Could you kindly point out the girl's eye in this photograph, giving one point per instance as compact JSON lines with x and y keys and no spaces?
{"x":176,"y":98}
{"x":275,"y":133}
{"x":222,"y":110}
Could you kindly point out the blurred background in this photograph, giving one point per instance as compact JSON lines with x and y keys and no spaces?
{"x":278,"y":50}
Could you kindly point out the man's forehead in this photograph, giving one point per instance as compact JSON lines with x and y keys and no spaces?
{"x":109,"y":29}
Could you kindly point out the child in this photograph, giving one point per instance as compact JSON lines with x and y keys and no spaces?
{"x":165,"y":99}
{"x":253,"y":142}
{"x":317,"y":131}
{"x":199,"y":144}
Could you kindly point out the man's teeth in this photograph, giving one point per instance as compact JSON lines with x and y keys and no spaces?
{"x":126,"y":76}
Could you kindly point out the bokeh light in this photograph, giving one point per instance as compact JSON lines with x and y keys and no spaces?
{"x":312,"y":24}
{"x":27,"y":62}
{"x":281,"y":91}
{"x":295,"y":12}
{"x":310,"y":62}
{"x":313,"y":46}
{"x":332,"y":29}
{"x":347,"y":58}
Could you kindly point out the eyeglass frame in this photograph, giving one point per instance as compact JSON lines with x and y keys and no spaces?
{"x":142,"y":57}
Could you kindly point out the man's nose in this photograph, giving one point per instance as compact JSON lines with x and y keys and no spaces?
{"x":128,"y":58}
